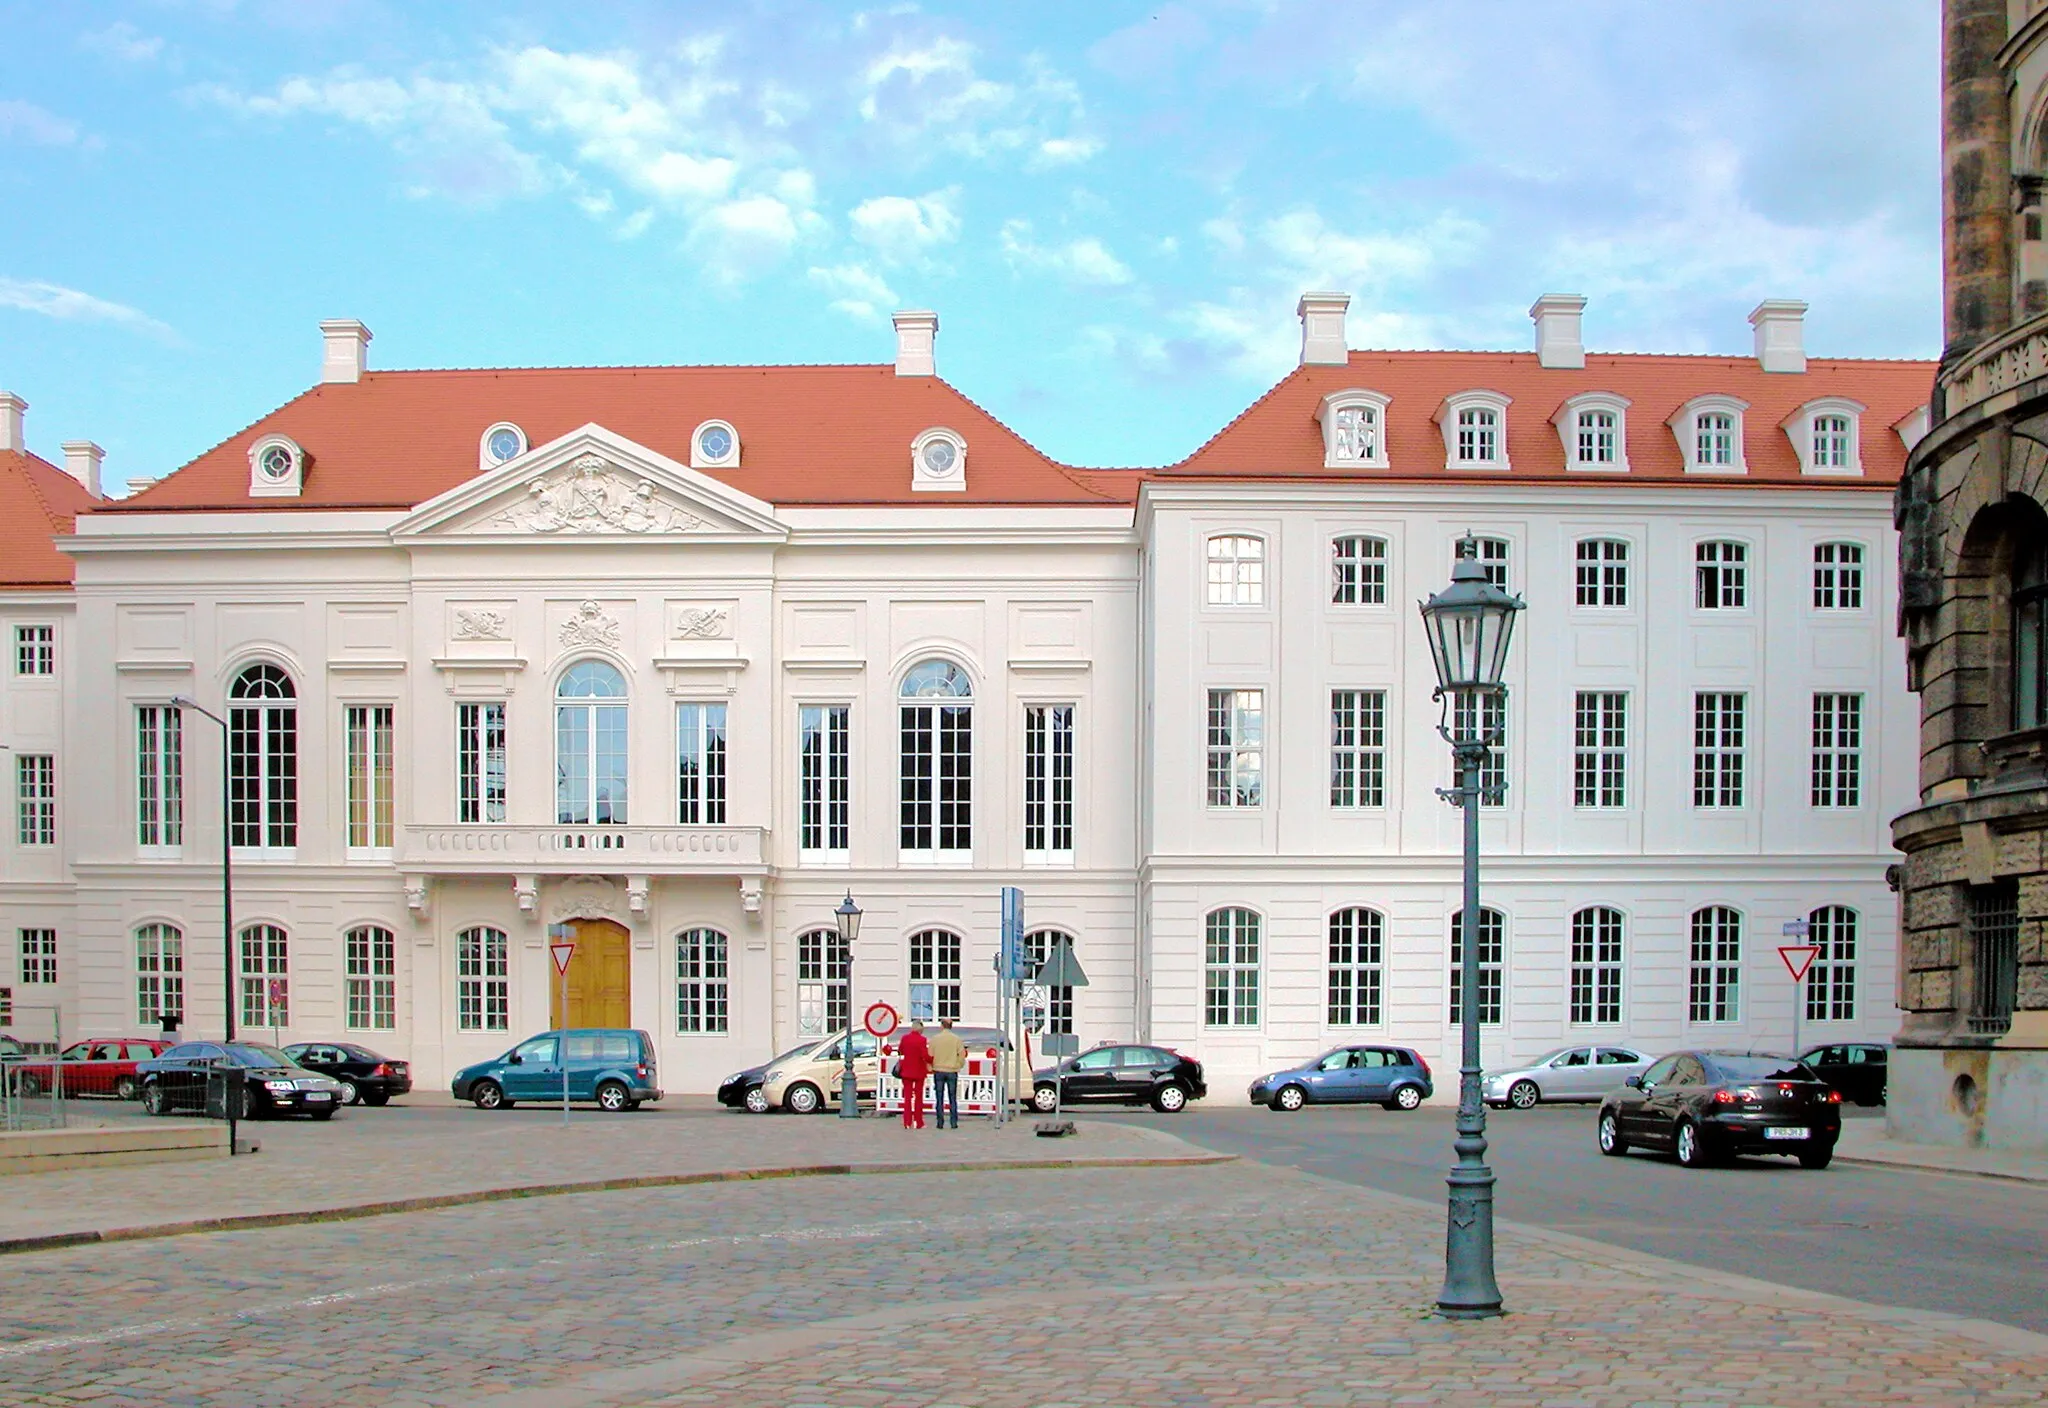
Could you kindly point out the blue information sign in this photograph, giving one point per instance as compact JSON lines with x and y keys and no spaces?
{"x":1013,"y":960}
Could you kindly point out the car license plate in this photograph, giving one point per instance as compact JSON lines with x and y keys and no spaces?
{"x":323,"y":1095}
{"x":1786,"y":1131}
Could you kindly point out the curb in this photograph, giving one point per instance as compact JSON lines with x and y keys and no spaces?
{"x":1862,"y":1161}
{"x":243,"y":1222}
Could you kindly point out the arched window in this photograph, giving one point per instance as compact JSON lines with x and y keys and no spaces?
{"x":1716,"y":965}
{"x":482,"y":984}
{"x":263,"y":760}
{"x":1059,"y":1014}
{"x":266,"y":977}
{"x":935,"y":974}
{"x":1237,"y":570}
{"x":370,"y":959}
{"x":1596,"y":967}
{"x":1491,"y":956}
{"x":1831,"y":981}
{"x":159,"y":973}
{"x":824,"y":966}
{"x":1230,"y":969}
{"x":1356,"y":939}
{"x":701,"y":994}
{"x":2030,"y":635}
{"x":590,"y":746}
{"x":936,"y":779}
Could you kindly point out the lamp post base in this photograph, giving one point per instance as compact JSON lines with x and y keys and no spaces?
{"x":849,"y":1098}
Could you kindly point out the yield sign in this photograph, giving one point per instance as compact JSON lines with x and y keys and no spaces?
{"x":562,"y":953}
{"x":1798,"y":958}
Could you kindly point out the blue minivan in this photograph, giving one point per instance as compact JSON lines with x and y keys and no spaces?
{"x":613,"y":1066}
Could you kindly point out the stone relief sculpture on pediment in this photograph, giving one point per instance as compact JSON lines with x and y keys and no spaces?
{"x":593,"y":495}
{"x":586,"y":897}
{"x":589,"y":626}
{"x":703,"y":623}
{"x":481,"y":625}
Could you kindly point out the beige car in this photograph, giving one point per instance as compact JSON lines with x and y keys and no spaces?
{"x":808,"y":1081}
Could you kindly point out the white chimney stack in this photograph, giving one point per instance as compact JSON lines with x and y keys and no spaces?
{"x":1322,"y":329}
{"x":345,"y":346}
{"x":82,"y":462}
{"x":917,"y":340}
{"x":13,"y":412}
{"x":1559,"y":342}
{"x":1780,"y":325}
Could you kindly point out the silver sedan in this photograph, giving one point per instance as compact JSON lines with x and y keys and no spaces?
{"x":1568,"y":1073}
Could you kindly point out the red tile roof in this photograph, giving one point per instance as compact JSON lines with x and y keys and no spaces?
{"x":37,"y":504}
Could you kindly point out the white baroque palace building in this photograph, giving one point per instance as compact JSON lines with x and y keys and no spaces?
{"x":668,"y":660}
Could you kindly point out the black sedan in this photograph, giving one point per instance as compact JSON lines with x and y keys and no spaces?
{"x":1121,"y":1075}
{"x":262,"y":1081}
{"x":1856,"y":1068}
{"x":742,"y":1089}
{"x":1705,"y":1106}
{"x":365,"y":1077}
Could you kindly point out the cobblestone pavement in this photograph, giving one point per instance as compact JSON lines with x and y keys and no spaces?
{"x":1231,"y":1284}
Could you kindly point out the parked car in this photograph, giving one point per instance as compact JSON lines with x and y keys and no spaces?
{"x":1706,"y":1105}
{"x":95,"y":1066}
{"x":613,"y":1066}
{"x":1393,"y":1076}
{"x":271,"y":1082}
{"x":365,"y":1077}
{"x":1568,"y":1073}
{"x":742,"y":1089}
{"x":1122,"y":1074}
{"x":1855,"y":1068}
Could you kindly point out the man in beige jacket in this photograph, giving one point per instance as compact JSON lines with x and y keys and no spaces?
{"x":949,"y":1054}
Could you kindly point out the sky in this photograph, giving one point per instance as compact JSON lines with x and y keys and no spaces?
{"x":1112,"y":207}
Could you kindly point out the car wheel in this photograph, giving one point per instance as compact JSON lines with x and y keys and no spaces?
{"x":1817,"y":1158}
{"x":1408,"y":1097}
{"x":1690,"y":1148}
{"x":1045,"y":1099}
{"x":153,"y":1102}
{"x":489,"y":1095}
{"x":351,"y":1094}
{"x":1611,"y":1142}
{"x":245,"y":1105}
{"x":757,"y":1101}
{"x":1523,"y":1095}
{"x":125,"y":1088}
{"x":326,"y":1114}
{"x":802,"y":1099}
{"x":376,"y":1098}
{"x":1290,"y":1098}
{"x":613,"y":1097}
{"x":1169,"y":1099}
{"x":28,"y":1087}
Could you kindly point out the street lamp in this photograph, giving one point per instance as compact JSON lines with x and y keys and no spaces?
{"x":227,"y":865}
{"x":1469,"y":623}
{"x":847,"y":917}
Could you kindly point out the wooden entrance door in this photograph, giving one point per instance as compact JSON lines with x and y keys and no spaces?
{"x":600,"y":975}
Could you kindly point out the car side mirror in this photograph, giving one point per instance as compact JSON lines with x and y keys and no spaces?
{"x":1634,"y":1082}
{"x":515,"y":1059}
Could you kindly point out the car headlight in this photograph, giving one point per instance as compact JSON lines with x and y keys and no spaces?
{"x":277,"y":1085}
{"x":736,"y":1075}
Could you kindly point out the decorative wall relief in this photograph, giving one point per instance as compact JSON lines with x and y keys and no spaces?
{"x":594,"y":495}
{"x":482,"y":625}
{"x":703,"y":623}
{"x":585,"y":897}
{"x":590,"y":626}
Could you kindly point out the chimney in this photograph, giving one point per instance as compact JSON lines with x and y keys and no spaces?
{"x":1322,"y":329}
{"x":345,"y":347}
{"x":82,"y":462}
{"x":917,"y":337}
{"x":1780,"y":325}
{"x":13,"y":410}
{"x":1558,"y":340}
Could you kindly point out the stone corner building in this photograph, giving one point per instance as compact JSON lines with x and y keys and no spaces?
{"x":1972,"y":1058}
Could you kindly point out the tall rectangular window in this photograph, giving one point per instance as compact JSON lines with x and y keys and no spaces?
{"x":936,"y":813}
{"x":1718,"y":749}
{"x":370,"y":971}
{"x":824,"y":968}
{"x":1600,"y":749}
{"x":1716,"y":965}
{"x":159,"y":973}
{"x":1237,"y":747}
{"x":1721,"y":576}
{"x":935,"y":975}
{"x":1837,"y":750}
{"x":482,"y":988}
{"x":38,"y":948}
{"x":700,"y":764}
{"x":823,"y":766}
{"x":266,"y":977}
{"x":1831,"y":981}
{"x":480,"y":762}
{"x":1356,"y":937}
{"x":1595,"y":438}
{"x":35,"y":799}
{"x":702,"y":1002}
{"x":1831,"y":442}
{"x":1478,"y":431}
{"x":1237,"y":570}
{"x":263,"y":760}
{"x":1837,"y":576}
{"x":35,"y":650}
{"x":1714,"y":439}
{"x":1358,"y":571}
{"x":1230,"y":969}
{"x":159,"y":775}
{"x":1358,"y":747}
{"x":1486,"y":716}
{"x":1059,"y":1016}
{"x":1049,"y":779}
{"x":1602,"y":572}
{"x":1994,"y":953}
{"x":1596,"y":967}
{"x":367,"y":729}
{"x":1491,"y":957}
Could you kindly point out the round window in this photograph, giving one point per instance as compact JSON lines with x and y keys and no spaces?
{"x":715,"y":443}
{"x":504,"y":444}
{"x":940,"y":456}
{"x":276,"y":462}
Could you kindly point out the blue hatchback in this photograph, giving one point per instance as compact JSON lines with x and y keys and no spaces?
{"x":612,"y":1066}
{"x":1394,"y":1076}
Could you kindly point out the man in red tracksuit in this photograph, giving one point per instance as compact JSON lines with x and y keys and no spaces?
{"x":914,"y":1064}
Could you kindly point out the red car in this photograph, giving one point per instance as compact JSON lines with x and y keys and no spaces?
{"x":97,"y":1066}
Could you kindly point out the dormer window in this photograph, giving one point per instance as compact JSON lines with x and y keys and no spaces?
{"x":1475,"y":425}
{"x":1593,"y":428}
{"x":1828,"y":435}
{"x":1354,"y":430}
{"x":277,"y":468}
{"x":715,"y":445}
{"x":938,"y":461}
{"x":503,"y":441}
{"x":1709,"y":431}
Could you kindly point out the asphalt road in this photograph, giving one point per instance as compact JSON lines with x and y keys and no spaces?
{"x":1971,"y":1246}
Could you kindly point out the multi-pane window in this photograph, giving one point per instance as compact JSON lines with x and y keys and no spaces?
{"x":38,"y":950}
{"x":1358,"y":747}
{"x":1831,"y":442}
{"x":265,"y":977}
{"x":159,"y":775}
{"x":1230,"y":969}
{"x":1059,"y":1016}
{"x":1237,"y":570}
{"x":1837,"y":750}
{"x":1716,"y":965}
{"x":159,"y":973}
{"x":590,"y":746}
{"x":1838,"y":576}
{"x":936,"y":784}
{"x":823,"y":765}
{"x":701,"y":993}
{"x":35,"y":799}
{"x":1478,"y":435}
{"x":1355,"y":433}
{"x":700,"y":764}
{"x":1596,"y":438}
{"x":1714,"y":440}
{"x":1358,"y":571}
{"x":1721,"y":576}
{"x":480,"y":762}
{"x":1237,"y":747}
{"x":35,"y":650}
{"x":482,"y":982}
{"x":1049,"y":779}
{"x":1596,"y":967}
{"x":1356,"y":941}
{"x":367,"y":729}
{"x":263,"y":760}
{"x":1491,"y":955}
{"x":1602,"y":572}
{"x":935,"y":974}
{"x":824,"y":967}
{"x":1485,"y":716}
{"x":1718,"y":748}
{"x":1831,"y":981}
{"x":1491,"y":554}
{"x":370,"y":972}
{"x":1600,"y":749}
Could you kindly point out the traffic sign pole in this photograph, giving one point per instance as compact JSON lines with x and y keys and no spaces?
{"x":1798,"y":959}
{"x":562,"y":953}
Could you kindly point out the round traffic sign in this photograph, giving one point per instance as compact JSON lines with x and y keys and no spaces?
{"x":880,"y":1019}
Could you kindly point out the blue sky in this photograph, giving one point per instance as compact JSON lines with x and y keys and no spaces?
{"x":1112,"y":207}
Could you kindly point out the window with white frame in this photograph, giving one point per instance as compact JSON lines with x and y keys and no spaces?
{"x":1237,"y":747}
{"x":1716,"y":986}
{"x":1709,"y":430}
{"x":35,"y":650}
{"x":590,"y":746}
{"x":1830,"y":443}
{"x":935,"y":975}
{"x":1827,"y":433}
{"x":1837,"y":750}
{"x":1237,"y":570}
{"x":1491,"y":554}
{"x":1491,"y":957}
{"x":823,"y":767}
{"x":1602,"y":572}
{"x":1600,"y":748}
{"x":1485,"y":716}
{"x":1721,"y":575}
{"x":1837,"y":576}
{"x":37,"y":949}
{"x":824,"y":968}
{"x":1358,"y":748}
{"x":936,"y":765}
{"x":367,"y":729}
{"x":1059,"y":1014}
{"x":1358,"y":571}
{"x":1593,"y":430}
{"x":370,"y":976}
{"x":1354,"y":429}
{"x":1475,"y":430}
{"x":265,"y":970}
{"x":1714,"y":439}
{"x":1049,"y":781}
{"x":480,"y":762}
{"x":1596,"y":967}
{"x":1719,"y":750}
{"x":1357,"y":938}
{"x":700,"y":764}
{"x":1597,"y":434}
{"x":1831,"y":981}
{"x":263,"y":760}
{"x":702,"y":1004}
{"x":1230,"y":969}
{"x":159,"y":776}
{"x":35,"y":799}
{"x":482,"y":982}
{"x":159,"y":973}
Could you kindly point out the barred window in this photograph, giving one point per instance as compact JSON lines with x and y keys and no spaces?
{"x":35,"y":650}
{"x":1716,"y":965}
{"x":159,"y":775}
{"x":35,"y":799}
{"x":1718,"y":749}
{"x":480,"y":762}
{"x":1358,"y":571}
{"x":700,"y":764}
{"x":1600,"y":749}
{"x":1837,"y":750}
{"x":1995,"y":957}
{"x":1237,"y":747}
{"x":370,"y":964}
{"x":935,"y":974}
{"x":1486,"y":716}
{"x":1358,"y":744}
{"x":936,"y":815}
{"x":482,"y":986}
{"x":1602,"y":572}
{"x":368,"y":731}
{"x":159,"y":973}
{"x":1230,"y":970}
{"x":1831,"y":981}
{"x":1491,"y":957}
{"x":824,"y":966}
{"x":1596,"y":967}
{"x":38,"y":950}
{"x":1049,"y":780}
{"x":266,"y":977}
{"x":1237,"y":570}
{"x":1721,"y":576}
{"x":1059,"y":1017}
{"x":701,"y":993}
{"x":824,"y":800}
{"x":1837,"y":576}
{"x":1356,"y":940}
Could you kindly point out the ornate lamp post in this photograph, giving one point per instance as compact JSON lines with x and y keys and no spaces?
{"x":847,"y":917}
{"x":227,"y":864}
{"x":1469,"y":623}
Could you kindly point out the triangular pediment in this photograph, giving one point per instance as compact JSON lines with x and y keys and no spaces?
{"x":591,"y":483}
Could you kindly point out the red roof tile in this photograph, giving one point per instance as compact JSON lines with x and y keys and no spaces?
{"x":38,"y":502}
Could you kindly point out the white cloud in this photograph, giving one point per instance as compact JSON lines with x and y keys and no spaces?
{"x":25,"y":122}
{"x":857,"y":291}
{"x":1086,"y":261}
{"x":744,"y":237}
{"x":903,"y":228}
{"x":1066,"y":151}
{"x":124,"y":42}
{"x":71,"y":305}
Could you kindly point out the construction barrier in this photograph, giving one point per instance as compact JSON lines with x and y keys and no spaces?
{"x":980,"y":1082}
